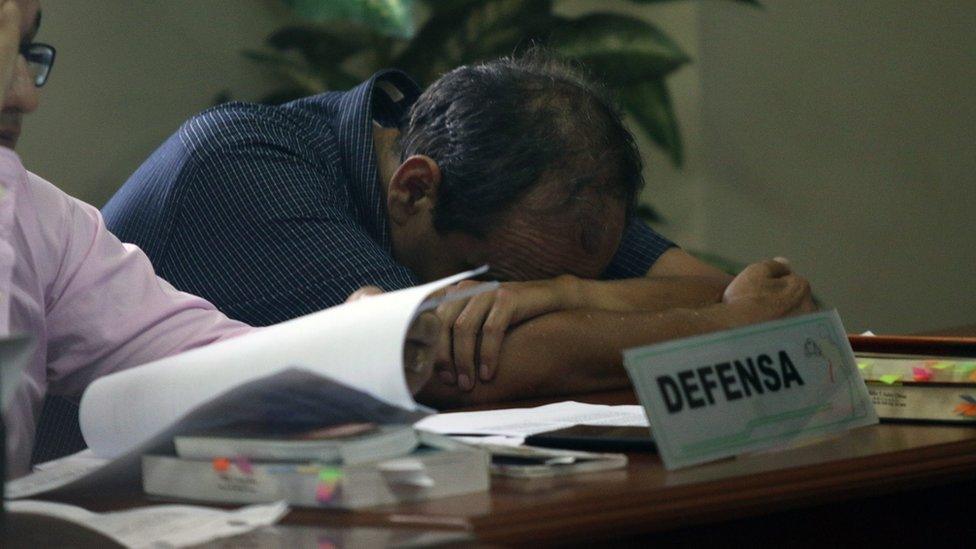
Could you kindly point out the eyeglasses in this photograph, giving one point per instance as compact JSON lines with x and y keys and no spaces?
{"x":40,"y":59}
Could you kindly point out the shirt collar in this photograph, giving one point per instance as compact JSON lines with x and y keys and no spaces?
{"x":355,"y":134}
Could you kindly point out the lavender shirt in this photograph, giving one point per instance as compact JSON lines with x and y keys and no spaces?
{"x":92,"y":304}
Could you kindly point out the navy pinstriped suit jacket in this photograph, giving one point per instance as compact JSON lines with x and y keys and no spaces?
{"x":276,"y":212}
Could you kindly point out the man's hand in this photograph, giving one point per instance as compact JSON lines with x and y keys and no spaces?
{"x":418,"y":350}
{"x":9,"y":43}
{"x":472,"y":330}
{"x":766,"y":291}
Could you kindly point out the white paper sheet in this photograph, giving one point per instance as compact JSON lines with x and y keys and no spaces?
{"x":291,"y":398}
{"x":359,"y":344}
{"x":161,"y":525}
{"x":54,"y":474}
{"x":511,"y":426}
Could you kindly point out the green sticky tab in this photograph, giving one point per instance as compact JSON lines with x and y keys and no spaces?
{"x":942,"y":365}
{"x":890,"y":379}
{"x":863,"y":365}
{"x":965,"y":367}
{"x":330,"y":474}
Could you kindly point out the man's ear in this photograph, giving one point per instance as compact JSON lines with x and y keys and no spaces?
{"x":413,"y":188}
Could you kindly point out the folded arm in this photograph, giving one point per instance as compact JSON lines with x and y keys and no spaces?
{"x":563,"y":351}
{"x":675,"y":280}
{"x":571,"y":352}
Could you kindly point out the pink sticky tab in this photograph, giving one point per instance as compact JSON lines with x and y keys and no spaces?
{"x":921,"y":374}
{"x":324,"y":492}
{"x":244,"y":465}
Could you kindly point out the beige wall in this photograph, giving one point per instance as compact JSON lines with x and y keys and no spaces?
{"x":674,"y":193}
{"x":127,"y":73}
{"x":842,"y":134}
{"x":838,"y":133}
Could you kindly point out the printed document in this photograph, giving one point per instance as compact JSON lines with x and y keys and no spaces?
{"x":511,"y":426}
{"x":160,"y":525}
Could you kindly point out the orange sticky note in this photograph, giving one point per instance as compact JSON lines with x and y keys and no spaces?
{"x":221,"y":465}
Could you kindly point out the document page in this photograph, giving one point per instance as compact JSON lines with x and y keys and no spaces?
{"x":160,"y":525}
{"x":310,"y":372}
{"x":512,"y":425}
{"x":289,"y":399}
{"x":357,"y":344}
{"x":54,"y":474}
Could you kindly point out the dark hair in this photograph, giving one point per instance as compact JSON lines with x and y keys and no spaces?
{"x":498,"y":129}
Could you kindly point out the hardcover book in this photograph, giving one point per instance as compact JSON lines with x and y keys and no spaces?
{"x":439,"y":467}
{"x":911,"y":378}
{"x":349,"y":444}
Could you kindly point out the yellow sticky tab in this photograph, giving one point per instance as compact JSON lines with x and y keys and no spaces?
{"x":942,"y":365}
{"x":863,"y":365}
{"x":890,"y":379}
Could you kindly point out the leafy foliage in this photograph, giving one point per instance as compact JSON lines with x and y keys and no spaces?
{"x":342,"y":42}
{"x":339,"y":43}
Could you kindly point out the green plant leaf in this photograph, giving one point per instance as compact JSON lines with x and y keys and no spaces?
{"x":649,"y":103}
{"x":447,"y":7}
{"x":619,"y":48}
{"x":498,"y":28}
{"x":319,"y":44}
{"x":389,"y":17}
{"x":463,"y":32}
{"x":647,"y":212}
{"x":297,"y":75}
{"x":750,"y":2}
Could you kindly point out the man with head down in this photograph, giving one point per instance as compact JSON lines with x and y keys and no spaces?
{"x":522,"y":164}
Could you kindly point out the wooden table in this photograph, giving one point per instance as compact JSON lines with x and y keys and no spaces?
{"x":889,"y":483}
{"x":644,"y":498}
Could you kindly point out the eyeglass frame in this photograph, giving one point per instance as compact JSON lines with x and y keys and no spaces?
{"x":45,"y":62}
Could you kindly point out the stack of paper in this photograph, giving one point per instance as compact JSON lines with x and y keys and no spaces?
{"x":511,"y":426}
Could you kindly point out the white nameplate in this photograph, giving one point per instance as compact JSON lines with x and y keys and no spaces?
{"x":751,"y":388}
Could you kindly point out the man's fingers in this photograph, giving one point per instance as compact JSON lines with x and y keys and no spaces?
{"x":493,"y":332}
{"x":777,"y":267}
{"x":419,"y":359}
{"x":444,"y":357}
{"x":419,"y":349}
{"x":466,"y":330}
{"x":365,"y":291}
{"x":795,"y":294}
{"x":425,"y":329}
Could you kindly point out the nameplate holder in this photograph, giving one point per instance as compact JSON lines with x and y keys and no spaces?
{"x":764,"y":386}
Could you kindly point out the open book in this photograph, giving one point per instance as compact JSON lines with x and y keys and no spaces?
{"x":336,"y":366}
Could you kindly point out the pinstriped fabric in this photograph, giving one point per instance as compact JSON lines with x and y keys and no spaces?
{"x":269,"y":212}
{"x":58,"y":432}
{"x":639,"y":249}
{"x":274,"y":212}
